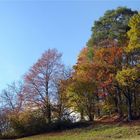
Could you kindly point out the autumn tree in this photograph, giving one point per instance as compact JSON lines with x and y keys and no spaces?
{"x":61,"y":105}
{"x":129,"y":76}
{"x":41,"y":79}
{"x":82,"y":88}
{"x":108,"y":62}
{"x":109,"y":35}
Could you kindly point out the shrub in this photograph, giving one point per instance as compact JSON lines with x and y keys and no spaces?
{"x":27,"y":123}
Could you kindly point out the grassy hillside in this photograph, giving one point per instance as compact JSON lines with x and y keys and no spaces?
{"x":102,"y":131}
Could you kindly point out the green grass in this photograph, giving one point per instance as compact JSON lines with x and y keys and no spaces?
{"x":99,"y":132}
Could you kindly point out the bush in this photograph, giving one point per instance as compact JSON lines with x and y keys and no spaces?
{"x":30,"y":123}
{"x":61,"y":125}
{"x":27,"y":123}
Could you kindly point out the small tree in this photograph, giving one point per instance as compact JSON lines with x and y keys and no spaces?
{"x":13,"y":98}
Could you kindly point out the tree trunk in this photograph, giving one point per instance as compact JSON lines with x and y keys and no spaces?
{"x":129,"y":107}
{"x":135,"y":105}
{"x":116,"y":104}
{"x":119,"y":102}
{"x":49,"y":113}
{"x":98,"y":108}
{"x":82,"y":115}
{"x":129,"y":110}
{"x":91,"y":114}
{"x":59,"y":112}
{"x":91,"y":117}
{"x":48,"y":102}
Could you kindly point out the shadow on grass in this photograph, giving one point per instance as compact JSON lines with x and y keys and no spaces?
{"x":53,"y":128}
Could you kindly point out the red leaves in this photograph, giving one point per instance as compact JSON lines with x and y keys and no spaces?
{"x":108,"y":55}
{"x":41,"y":78}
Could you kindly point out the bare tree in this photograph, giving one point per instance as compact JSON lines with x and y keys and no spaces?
{"x":40,"y":81}
{"x":12,"y":98}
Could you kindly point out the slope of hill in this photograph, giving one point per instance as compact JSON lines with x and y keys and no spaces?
{"x":100,"y":131}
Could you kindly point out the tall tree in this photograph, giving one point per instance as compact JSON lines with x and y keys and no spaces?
{"x":41,"y":79}
{"x":129,"y":76}
{"x":110,"y":31}
{"x":61,"y":106}
{"x":113,"y":26}
{"x":82,"y":87}
{"x":108,"y":62}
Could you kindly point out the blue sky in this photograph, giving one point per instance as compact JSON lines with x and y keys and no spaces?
{"x":27,"y":28}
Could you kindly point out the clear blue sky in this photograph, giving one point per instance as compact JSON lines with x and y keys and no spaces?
{"x":27,"y":28}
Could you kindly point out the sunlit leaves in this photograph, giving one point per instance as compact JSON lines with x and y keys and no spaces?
{"x":134,"y":34}
{"x":127,"y":76}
